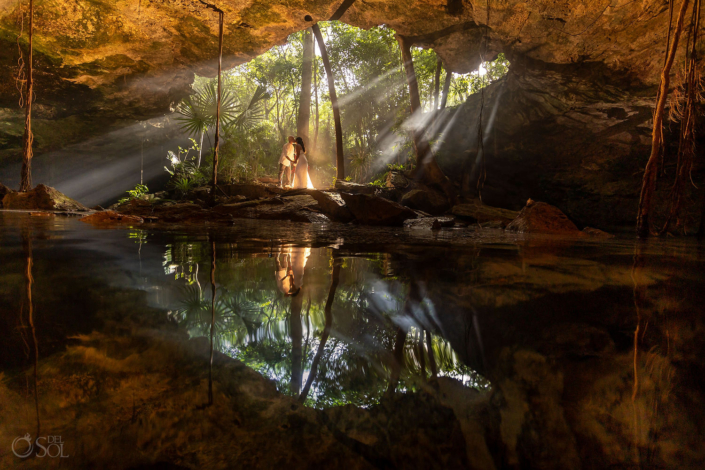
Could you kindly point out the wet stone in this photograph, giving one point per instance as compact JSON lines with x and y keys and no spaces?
{"x":42,"y":197}
{"x":539,"y":217}
{"x":369,"y":210}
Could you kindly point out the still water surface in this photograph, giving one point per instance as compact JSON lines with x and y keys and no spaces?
{"x":589,"y":351}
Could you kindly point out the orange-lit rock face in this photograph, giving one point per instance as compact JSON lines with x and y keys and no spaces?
{"x":134,"y":50}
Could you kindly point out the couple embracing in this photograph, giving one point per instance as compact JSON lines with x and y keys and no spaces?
{"x":294,"y":162}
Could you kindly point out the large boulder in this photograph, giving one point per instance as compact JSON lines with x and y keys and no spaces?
{"x":427,"y":200}
{"x":398,"y":180}
{"x":370,"y":210}
{"x":42,"y":197}
{"x":4,"y":190}
{"x":539,"y":217}
{"x":332,"y":205}
{"x":299,"y":208}
{"x":251,"y":190}
{"x":477,"y":212}
{"x":354,"y":188}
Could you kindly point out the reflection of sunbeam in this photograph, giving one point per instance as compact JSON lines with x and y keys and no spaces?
{"x":448,"y":126}
{"x":343,"y":100}
{"x":387,"y":144}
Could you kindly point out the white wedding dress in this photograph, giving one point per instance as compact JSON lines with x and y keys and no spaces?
{"x":302,"y":180}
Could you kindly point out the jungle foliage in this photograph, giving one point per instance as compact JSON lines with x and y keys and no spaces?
{"x":261,"y":103}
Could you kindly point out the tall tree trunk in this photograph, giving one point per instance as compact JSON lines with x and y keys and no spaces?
{"x":28,"y":138}
{"x":427,"y":168}
{"x":302,"y":125}
{"x":335,"y":279}
{"x":436,"y":92}
{"x":649,"y":181}
{"x":340,"y":158}
{"x":446,"y":88}
{"x":437,"y":84}
{"x":315,"y":90}
{"x":214,"y":181}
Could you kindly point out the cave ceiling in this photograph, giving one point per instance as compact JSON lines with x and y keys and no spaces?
{"x":133,"y":58}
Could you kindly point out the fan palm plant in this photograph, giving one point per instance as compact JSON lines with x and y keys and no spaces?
{"x":199,"y":110}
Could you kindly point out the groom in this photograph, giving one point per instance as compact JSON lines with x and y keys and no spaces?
{"x":286,"y":161}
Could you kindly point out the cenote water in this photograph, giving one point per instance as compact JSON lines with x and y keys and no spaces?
{"x":383,"y":349}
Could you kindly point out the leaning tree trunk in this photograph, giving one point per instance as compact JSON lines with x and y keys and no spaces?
{"x":302,"y":125}
{"x":427,"y":168}
{"x":28,"y":138}
{"x":649,"y":181}
{"x":340,"y":158}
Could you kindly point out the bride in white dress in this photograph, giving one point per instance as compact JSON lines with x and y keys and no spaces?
{"x":302,"y":180}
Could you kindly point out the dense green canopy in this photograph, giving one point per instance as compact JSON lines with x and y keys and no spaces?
{"x":372,"y":91}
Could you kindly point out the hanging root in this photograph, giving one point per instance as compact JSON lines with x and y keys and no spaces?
{"x":482,"y":174}
{"x":684,"y":108}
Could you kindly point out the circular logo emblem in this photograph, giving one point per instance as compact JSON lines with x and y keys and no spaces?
{"x":29,"y":449}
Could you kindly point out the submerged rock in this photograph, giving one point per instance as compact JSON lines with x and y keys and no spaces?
{"x":42,"y":197}
{"x":369,"y":210}
{"x":427,"y":200}
{"x":539,"y":217}
{"x":111,"y":217}
{"x":430,"y":222}
{"x":596,"y":233}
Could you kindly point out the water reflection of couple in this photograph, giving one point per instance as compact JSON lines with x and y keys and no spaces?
{"x":289,"y":272}
{"x":293,"y":161}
